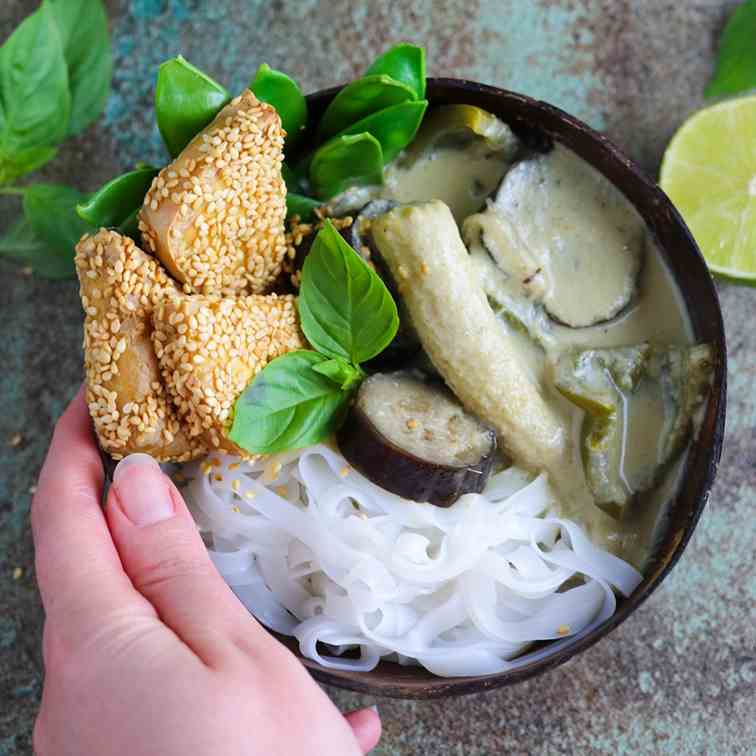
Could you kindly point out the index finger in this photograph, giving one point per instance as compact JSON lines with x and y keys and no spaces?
{"x":79,"y":572}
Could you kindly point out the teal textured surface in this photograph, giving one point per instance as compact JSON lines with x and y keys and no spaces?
{"x":679,"y":676}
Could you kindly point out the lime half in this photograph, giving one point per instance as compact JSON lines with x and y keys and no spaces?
{"x":709,"y":172}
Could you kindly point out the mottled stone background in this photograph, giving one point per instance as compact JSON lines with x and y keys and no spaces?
{"x":679,"y":676}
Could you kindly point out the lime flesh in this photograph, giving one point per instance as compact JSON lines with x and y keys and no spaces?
{"x":709,"y":172}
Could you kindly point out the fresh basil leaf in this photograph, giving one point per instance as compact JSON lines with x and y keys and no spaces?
{"x":403,"y":62}
{"x":51,"y":210}
{"x":345,"y":308}
{"x":342,"y":373}
{"x":288,"y":405}
{"x":359,"y":99}
{"x":394,"y":127}
{"x":284,"y":94}
{"x":83,"y":26}
{"x":112,"y":204}
{"x":186,"y":100}
{"x":736,"y":64}
{"x":22,"y":244}
{"x":298,"y":204}
{"x":344,"y":161}
{"x":33,"y":86}
{"x":21,"y":162}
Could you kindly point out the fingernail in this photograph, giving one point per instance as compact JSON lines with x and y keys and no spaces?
{"x":142,"y":490}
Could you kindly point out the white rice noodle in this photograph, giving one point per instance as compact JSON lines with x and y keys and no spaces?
{"x":316,"y":551}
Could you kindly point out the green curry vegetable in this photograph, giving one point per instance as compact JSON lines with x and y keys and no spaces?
{"x":345,"y":161}
{"x":403,"y":62}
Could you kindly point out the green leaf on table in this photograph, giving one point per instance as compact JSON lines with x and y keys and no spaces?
{"x":345,"y":309}
{"x":394,"y":127}
{"x":186,"y":100}
{"x":83,"y":26}
{"x":288,"y":405}
{"x":359,"y":99}
{"x":284,"y":94}
{"x":113,"y":203}
{"x":51,"y":210}
{"x":344,"y":161}
{"x":34,"y":89}
{"x":736,"y":63}
{"x":403,"y":62}
{"x":47,"y":234}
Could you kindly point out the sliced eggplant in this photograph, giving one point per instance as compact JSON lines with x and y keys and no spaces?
{"x":416,"y":440}
{"x":577,"y":233}
{"x":639,"y":404}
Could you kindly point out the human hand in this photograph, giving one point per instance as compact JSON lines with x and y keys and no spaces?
{"x":146,"y":649}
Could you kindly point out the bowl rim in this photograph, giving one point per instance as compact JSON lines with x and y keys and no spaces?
{"x":557,"y":123}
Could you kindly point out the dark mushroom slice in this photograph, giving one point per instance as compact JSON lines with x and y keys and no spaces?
{"x":639,"y":405}
{"x":416,"y":440}
{"x":582,"y":239}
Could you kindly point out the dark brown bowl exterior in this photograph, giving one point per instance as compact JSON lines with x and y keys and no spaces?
{"x":539,"y":123}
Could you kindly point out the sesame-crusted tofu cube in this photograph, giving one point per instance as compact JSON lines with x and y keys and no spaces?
{"x":131,"y":410}
{"x":210,"y":348}
{"x":215,"y":215}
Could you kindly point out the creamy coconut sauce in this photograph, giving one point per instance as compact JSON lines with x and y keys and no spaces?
{"x":557,"y":223}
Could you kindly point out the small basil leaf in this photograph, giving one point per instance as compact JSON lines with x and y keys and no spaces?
{"x":284,"y":94}
{"x":186,"y":100}
{"x":736,"y":64}
{"x":393,"y":127}
{"x":51,"y":210}
{"x":344,"y":161}
{"x":405,"y":63}
{"x":21,"y":162}
{"x":342,"y":373}
{"x":288,"y":405}
{"x":298,"y":204}
{"x":34,"y":85}
{"x":359,"y":99}
{"x":114,"y":202}
{"x":83,"y":26}
{"x":345,"y":308}
{"x":23,"y":245}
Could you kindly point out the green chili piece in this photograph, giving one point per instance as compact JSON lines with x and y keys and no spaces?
{"x":393,"y":127}
{"x":186,"y":100}
{"x":284,"y":94}
{"x":114,"y":202}
{"x":359,"y":99}
{"x":405,"y":63}
{"x":344,"y":161}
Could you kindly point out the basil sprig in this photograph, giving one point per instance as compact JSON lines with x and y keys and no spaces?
{"x":736,"y":64}
{"x":348,"y":316}
{"x":55,"y":71}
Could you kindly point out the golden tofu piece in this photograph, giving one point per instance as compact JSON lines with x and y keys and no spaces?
{"x":131,"y":410}
{"x":210,"y":348}
{"x":215,"y":215}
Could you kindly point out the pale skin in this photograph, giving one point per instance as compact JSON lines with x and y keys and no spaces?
{"x":146,"y":650}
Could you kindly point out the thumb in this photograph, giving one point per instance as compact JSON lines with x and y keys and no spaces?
{"x":164,"y":555}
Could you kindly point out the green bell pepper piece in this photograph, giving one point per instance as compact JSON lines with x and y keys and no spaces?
{"x":186,"y":100}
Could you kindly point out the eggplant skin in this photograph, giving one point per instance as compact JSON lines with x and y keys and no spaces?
{"x":404,"y":474}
